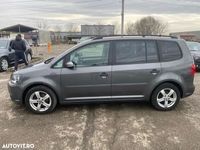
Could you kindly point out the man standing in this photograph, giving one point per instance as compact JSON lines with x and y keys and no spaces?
{"x":20,"y":47}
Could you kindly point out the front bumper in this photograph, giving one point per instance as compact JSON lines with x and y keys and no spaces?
{"x":15,"y":93}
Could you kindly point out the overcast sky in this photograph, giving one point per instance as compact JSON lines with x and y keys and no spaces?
{"x":181,"y":15}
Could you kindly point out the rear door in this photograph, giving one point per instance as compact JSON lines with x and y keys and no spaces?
{"x":136,"y":64}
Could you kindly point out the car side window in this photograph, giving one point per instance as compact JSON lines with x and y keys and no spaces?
{"x":130,"y":52}
{"x":59,"y":64}
{"x":152,"y":52}
{"x":91,"y":55}
{"x":169,"y":50}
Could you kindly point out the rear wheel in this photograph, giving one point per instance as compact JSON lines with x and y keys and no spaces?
{"x":4,"y":64}
{"x":40,"y":100}
{"x":165,"y":97}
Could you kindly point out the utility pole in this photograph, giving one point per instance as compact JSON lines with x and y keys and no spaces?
{"x":122,"y":17}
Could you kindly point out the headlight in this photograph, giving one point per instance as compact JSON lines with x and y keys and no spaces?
{"x":15,"y":78}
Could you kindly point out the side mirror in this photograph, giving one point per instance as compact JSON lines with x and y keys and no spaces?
{"x":70,"y":65}
{"x":10,"y":49}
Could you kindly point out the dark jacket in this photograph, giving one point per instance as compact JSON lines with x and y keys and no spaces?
{"x":18,"y":45}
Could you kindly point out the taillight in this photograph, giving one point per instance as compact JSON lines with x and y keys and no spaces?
{"x":193,"y":69}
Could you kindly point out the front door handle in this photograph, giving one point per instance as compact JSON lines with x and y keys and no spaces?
{"x":104,"y":75}
{"x":154,"y":72}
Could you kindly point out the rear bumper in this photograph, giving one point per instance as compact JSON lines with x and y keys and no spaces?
{"x":15,"y":93}
{"x":197,"y":63}
{"x":189,"y":91}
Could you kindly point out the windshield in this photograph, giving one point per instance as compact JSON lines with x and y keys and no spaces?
{"x":3,"y":44}
{"x":193,"y":46}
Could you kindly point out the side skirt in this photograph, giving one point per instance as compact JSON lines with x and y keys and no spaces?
{"x":126,"y":98}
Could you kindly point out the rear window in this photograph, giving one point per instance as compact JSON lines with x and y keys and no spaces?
{"x":169,"y":50}
{"x":152,"y":52}
{"x":130,"y":52}
{"x":3,"y":44}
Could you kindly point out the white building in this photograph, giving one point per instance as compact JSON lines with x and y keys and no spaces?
{"x":97,"y":30}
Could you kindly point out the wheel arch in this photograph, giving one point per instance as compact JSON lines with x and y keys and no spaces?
{"x":178,"y":85}
{"x":38,"y":84}
{"x":4,"y":56}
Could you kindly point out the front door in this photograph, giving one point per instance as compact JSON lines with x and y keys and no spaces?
{"x":136,"y":65}
{"x":90,"y":79}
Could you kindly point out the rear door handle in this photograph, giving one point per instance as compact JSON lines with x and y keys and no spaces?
{"x":154,"y":72}
{"x":104,"y":75}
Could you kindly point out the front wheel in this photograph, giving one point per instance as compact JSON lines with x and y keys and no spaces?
{"x":40,"y":100}
{"x":4,"y":64}
{"x":29,"y":58}
{"x":165,"y":97}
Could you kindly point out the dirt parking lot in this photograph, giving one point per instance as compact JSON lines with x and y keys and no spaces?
{"x":124,"y":126}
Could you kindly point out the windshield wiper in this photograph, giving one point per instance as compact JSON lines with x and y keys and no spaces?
{"x":49,"y":60}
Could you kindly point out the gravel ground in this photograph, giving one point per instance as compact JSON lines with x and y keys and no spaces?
{"x":132,"y":126}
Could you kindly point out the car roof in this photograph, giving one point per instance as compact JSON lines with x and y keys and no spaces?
{"x":135,"y":37}
{"x":5,"y":39}
{"x":192,"y":42}
{"x":140,"y":38}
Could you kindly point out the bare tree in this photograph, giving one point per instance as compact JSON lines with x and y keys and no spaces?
{"x":150,"y":26}
{"x":130,"y":28}
{"x":57,"y":28}
{"x":57,"y":32}
{"x":117,"y":27}
{"x":42,"y":24}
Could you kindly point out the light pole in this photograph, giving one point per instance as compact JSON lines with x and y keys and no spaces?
{"x":122,"y":17}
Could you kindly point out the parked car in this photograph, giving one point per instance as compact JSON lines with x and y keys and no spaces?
{"x":194,"y":48}
{"x":111,"y":69}
{"x":73,"y":41}
{"x":7,"y":55}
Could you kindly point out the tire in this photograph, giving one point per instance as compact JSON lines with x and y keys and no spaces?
{"x":41,"y":103}
{"x":165,"y":97}
{"x":4,"y":64}
{"x":29,"y":57}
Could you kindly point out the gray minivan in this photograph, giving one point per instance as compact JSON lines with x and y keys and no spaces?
{"x":130,"y":68}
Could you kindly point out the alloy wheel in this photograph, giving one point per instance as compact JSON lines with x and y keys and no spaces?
{"x":166,"y":98}
{"x":29,"y":57}
{"x":40,"y":101}
{"x":4,"y":64}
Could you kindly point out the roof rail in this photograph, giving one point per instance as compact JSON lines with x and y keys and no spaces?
{"x":97,"y":37}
